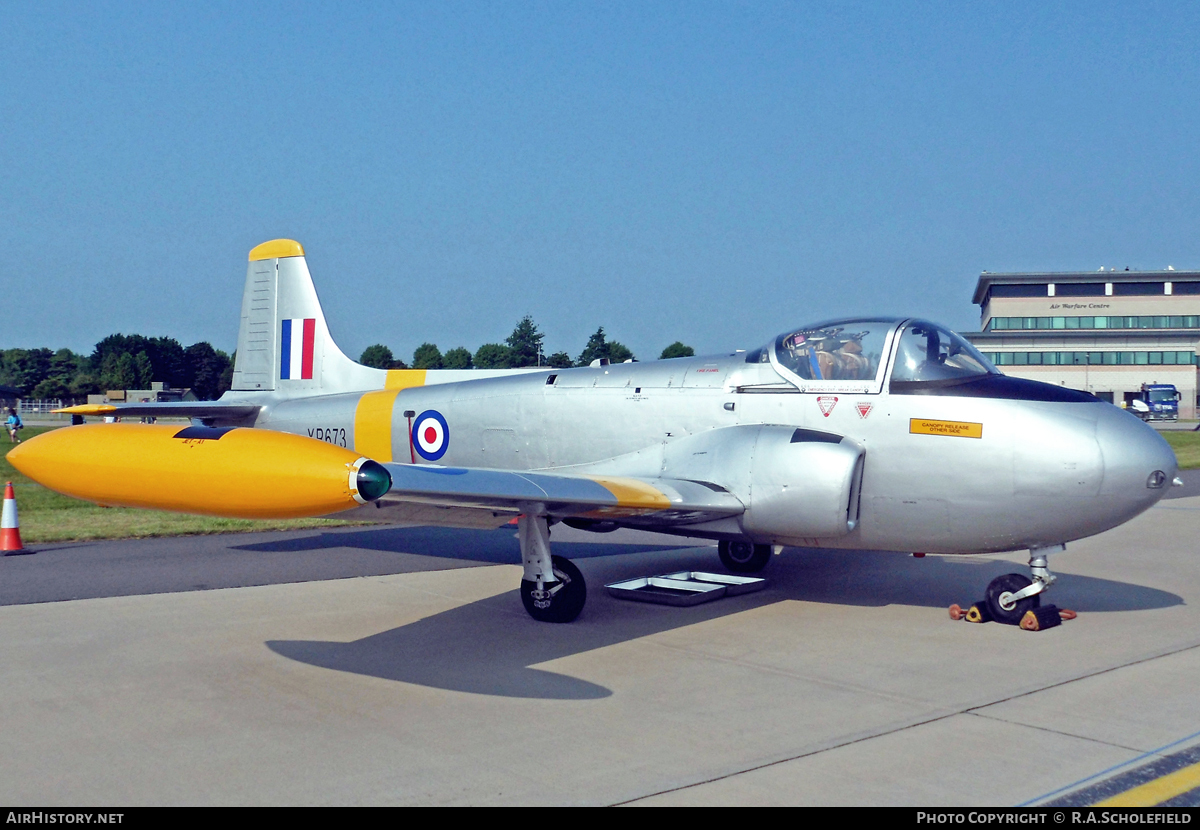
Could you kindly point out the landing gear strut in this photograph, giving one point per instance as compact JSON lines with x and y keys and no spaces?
{"x":553,"y":589}
{"x":744,"y":557}
{"x":1010,"y":596}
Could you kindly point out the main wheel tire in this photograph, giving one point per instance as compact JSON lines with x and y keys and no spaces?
{"x":1002,"y":607}
{"x":563,"y":605}
{"x":744,"y":557}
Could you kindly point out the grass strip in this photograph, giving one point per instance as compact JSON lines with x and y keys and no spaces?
{"x":1186,"y":446}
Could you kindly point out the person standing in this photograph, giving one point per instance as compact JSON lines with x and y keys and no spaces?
{"x":13,"y":423}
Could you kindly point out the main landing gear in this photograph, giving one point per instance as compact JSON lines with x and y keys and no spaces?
{"x":1011,"y":595}
{"x":552,"y":589}
{"x":744,"y":557}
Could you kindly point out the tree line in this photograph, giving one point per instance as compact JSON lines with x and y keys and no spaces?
{"x":520,"y":349}
{"x":131,"y":361}
{"x":119,"y":361}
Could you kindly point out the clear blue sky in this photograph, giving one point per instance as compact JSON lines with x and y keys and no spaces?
{"x":711,"y":172}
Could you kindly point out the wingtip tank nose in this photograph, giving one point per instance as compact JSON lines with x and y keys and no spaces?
{"x":373,"y":480}
{"x":17,"y":453}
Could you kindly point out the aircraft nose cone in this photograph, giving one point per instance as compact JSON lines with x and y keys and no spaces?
{"x":1139,"y":465}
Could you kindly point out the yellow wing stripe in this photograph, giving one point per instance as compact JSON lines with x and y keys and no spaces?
{"x":373,"y":424}
{"x":404,"y":378}
{"x":373,"y":415}
{"x":276,"y":248}
{"x":633,"y":493}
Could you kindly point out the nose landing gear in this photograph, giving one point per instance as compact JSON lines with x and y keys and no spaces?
{"x":1010,"y":596}
{"x":743,"y":557}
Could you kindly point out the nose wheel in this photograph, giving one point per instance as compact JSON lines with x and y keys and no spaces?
{"x":744,"y":557}
{"x":1010,"y":596}
{"x":1000,"y":598}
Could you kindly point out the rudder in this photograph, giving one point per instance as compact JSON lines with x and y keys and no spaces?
{"x":283,"y":341}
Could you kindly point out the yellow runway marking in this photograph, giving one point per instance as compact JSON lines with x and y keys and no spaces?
{"x":1157,"y":791}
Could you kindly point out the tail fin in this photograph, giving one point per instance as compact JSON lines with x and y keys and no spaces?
{"x":284,"y":343}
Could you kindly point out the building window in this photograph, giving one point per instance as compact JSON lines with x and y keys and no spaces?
{"x":1100,"y":322}
{"x":1034,"y":290}
{"x":1079,"y":289}
{"x":1092,"y":358}
{"x":1136,"y":289}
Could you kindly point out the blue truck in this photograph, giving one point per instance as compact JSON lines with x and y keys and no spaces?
{"x":1157,"y":402}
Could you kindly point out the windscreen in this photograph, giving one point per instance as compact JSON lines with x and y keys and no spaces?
{"x":846,"y":350}
{"x":931,"y":353}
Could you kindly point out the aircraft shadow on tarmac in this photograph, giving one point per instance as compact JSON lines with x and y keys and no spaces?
{"x":498,"y":547}
{"x":490,"y":646}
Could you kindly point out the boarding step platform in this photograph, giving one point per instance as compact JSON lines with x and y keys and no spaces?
{"x":684,"y":588}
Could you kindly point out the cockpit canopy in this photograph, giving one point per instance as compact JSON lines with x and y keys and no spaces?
{"x":842,"y":350}
{"x":929,"y":353}
{"x":854,"y":354}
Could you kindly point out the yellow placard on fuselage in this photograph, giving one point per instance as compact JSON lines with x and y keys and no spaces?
{"x":955,"y":429}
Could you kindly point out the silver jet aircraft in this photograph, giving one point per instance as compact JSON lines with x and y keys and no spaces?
{"x":889,"y":434}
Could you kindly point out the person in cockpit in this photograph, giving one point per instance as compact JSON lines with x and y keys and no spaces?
{"x":828,"y":356}
{"x":848,"y":362}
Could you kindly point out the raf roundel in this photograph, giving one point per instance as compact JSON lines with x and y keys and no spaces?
{"x":430,"y":435}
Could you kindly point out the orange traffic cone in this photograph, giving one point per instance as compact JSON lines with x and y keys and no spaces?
{"x":10,"y":528}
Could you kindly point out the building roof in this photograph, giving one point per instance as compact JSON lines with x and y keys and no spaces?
{"x":987,"y":279}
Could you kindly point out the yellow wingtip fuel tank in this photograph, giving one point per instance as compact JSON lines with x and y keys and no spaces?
{"x":241,"y":473}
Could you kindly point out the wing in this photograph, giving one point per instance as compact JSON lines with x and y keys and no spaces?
{"x":203,"y":410}
{"x":502,"y":494}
